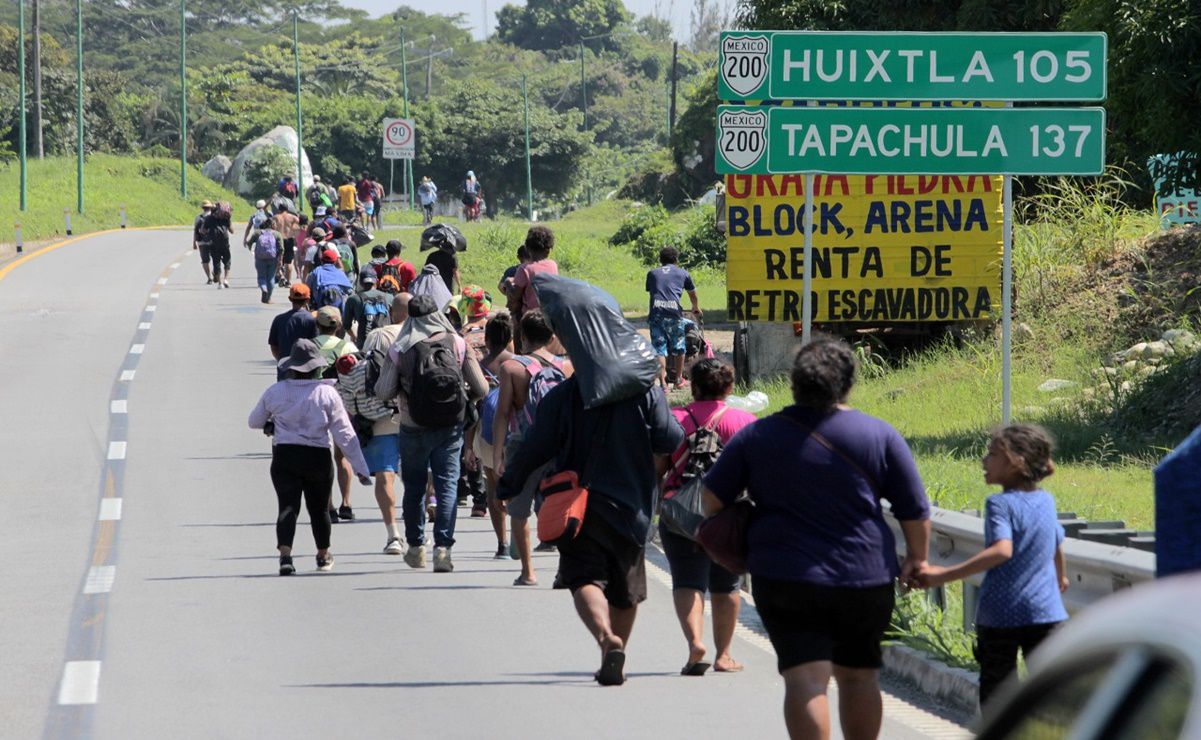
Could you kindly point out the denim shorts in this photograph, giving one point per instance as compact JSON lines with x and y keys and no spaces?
{"x":667,"y":334}
{"x":382,"y":453}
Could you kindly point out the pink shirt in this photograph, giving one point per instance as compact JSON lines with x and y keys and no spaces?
{"x":307,"y":412}
{"x":730,"y":424}
{"x":523,"y":281}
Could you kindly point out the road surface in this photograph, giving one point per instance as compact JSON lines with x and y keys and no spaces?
{"x":140,"y":590}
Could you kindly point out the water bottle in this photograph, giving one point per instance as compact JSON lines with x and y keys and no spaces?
{"x":753,"y":402}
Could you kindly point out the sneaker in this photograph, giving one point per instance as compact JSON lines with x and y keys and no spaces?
{"x":263,"y":296}
{"x":544,"y":547}
{"x":345,"y":512}
{"x":502,"y":552}
{"x":442,"y":563}
{"x":225,"y":283}
{"x":479,"y":513}
{"x":415,"y":557}
{"x":210,"y":281}
{"x":333,"y":516}
{"x":325,"y":564}
{"x":393,"y":547}
{"x":285,"y":565}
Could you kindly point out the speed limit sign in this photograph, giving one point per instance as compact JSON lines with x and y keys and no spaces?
{"x":399,"y":135}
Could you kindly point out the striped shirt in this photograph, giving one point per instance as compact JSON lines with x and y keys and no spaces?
{"x":308,"y":412}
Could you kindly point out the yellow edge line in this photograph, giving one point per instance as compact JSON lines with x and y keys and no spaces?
{"x":71,"y":240}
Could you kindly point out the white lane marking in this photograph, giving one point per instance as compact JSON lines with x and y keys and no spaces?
{"x":127,"y":375}
{"x":174,"y":265}
{"x":145,"y":325}
{"x":116,"y":450}
{"x":152,"y":309}
{"x":119,"y":407}
{"x":162,"y":281}
{"x":81,"y":682}
{"x":137,"y":349}
{"x":154,"y":296}
{"x":110,"y":510}
{"x":100,"y":579}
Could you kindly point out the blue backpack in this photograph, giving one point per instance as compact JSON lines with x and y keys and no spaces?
{"x":328,"y":293}
{"x":375,"y":314}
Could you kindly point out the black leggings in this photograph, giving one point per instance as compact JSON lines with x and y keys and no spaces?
{"x":219,"y":254}
{"x":997,"y":652}
{"x":297,"y":470}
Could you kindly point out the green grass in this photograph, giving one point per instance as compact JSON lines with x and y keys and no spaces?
{"x":582,"y":250}
{"x":147,"y":187}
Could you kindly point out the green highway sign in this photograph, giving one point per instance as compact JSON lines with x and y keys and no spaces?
{"x":770,"y":140}
{"x":836,"y":65}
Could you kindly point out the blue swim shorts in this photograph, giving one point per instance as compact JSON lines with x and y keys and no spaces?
{"x":383,"y":453}
{"x":667,"y":334}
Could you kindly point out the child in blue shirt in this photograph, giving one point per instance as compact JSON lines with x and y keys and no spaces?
{"x":1020,"y":599}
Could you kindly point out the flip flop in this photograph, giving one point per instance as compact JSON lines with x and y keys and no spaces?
{"x":695,"y":669}
{"x":612,"y":670}
{"x":520,"y":581}
{"x":736,"y":668}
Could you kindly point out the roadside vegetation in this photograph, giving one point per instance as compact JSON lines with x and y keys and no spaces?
{"x":148,"y":187}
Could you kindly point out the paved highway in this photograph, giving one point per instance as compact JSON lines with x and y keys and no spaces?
{"x":140,"y":595}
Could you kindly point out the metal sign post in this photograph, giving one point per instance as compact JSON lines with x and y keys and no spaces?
{"x":807,"y":282}
{"x":1007,"y":302}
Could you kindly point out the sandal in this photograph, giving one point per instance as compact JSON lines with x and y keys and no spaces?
{"x":612,"y":670}
{"x":694,"y":669}
{"x":523,"y":581}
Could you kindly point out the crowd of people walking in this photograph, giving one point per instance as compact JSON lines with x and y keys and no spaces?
{"x":387,"y":371}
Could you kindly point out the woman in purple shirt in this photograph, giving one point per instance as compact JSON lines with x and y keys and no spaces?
{"x":301,"y":413}
{"x":822,"y":558}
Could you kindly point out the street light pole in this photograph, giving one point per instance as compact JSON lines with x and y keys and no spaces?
{"x":79,"y":106}
{"x":529,"y":180}
{"x":404,"y":81}
{"x":299,"y":114}
{"x":584,"y":108}
{"x":21,"y":95}
{"x":183,"y":100}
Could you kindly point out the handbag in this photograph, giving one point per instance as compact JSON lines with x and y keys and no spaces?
{"x":724,"y":535}
{"x":565,"y":497}
{"x":683,"y":509}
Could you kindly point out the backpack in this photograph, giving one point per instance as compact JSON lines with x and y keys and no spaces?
{"x":347,"y":255}
{"x":389,"y":284}
{"x":437,"y":398}
{"x":266,"y":246}
{"x":682,"y":509}
{"x":542,"y":380}
{"x":357,"y":388}
{"x":375,"y":314}
{"x":328,"y":294}
{"x":331,"y":370}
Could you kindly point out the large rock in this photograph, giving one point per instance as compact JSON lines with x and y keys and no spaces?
{"x":283,"y":137}
{"x":217,"y":168}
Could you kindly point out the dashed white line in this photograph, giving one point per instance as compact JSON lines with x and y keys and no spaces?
{"x":100,"y":579}
{"x":137,"y":349}
{"x":162,"y":281}
{"x":127,"y":375}
{"x":154,"y":296}
{"x":116,"y":450}
{"x":110,"y":510}
{"x":152,"y":309}
{"x":144,"y":326}
{"x":81,"y":682}
{"x":174,"y":265}
{"x":118,"y":407}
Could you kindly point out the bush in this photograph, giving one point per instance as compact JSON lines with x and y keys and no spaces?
{"x":266,"y":168}
{"x":646,"y":247}
{"x":637,"y":221}
{"x":704,"y":245}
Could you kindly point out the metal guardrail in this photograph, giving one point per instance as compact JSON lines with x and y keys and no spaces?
{"x":1095,"y":569}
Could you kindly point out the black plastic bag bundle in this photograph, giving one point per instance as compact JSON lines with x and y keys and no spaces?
{"x":360,"y":236}
{"x":443,"y":234}
{"x":612,"y":360}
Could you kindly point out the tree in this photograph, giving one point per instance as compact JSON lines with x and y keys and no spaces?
{"x":902,"y":15}
{"x":553,"y":24}
{"x":706,"y":20}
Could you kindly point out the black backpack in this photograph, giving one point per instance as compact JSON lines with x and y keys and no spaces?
{"x":437,"y":398}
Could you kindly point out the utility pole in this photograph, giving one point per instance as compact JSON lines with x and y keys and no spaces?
{"x":299,"y":115}
{"x":529,"y":180}
{"x":429,"y":69}
{"x":584,"y":108}
{"x":38,"y":143}
{"x":21,"y":95}
{"x":404,"y":81}
{"x":183,"y":100}
{"x":671,"y":116}
{"x":79,"y":106}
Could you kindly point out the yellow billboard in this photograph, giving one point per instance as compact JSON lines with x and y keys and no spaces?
{"x":895,"y":248}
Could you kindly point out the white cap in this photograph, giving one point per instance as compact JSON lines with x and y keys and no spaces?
{"x":260,"y":204}
{"x":316,"y":178}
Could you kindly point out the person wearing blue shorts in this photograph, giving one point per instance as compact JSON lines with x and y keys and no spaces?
{"x":666,"y":284}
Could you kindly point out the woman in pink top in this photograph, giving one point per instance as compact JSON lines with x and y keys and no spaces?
{"x":301,"y":413}
{"x":539,"y":241}
{"x":692,"y":571}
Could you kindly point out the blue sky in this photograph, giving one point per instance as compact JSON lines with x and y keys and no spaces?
{"x":677,"y":10}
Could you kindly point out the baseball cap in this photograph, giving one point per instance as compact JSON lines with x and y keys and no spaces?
{"x":260,"y":204}
{"x":422,"y":305}
{"x":299,"y":292}
{"x":330,"y":256}
{"x":316,"y":178}
{"x":328,"y":317}
{"x":367,"y":276}
{"x":318,"y":233}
